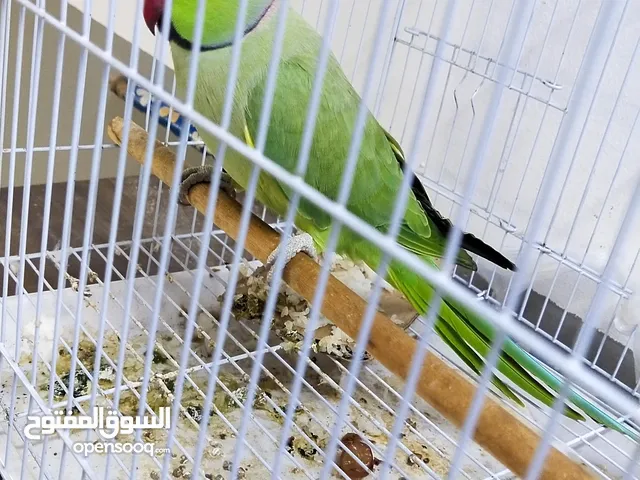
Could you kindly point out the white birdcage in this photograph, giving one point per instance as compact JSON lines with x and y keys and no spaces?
{"x":520,"y":118}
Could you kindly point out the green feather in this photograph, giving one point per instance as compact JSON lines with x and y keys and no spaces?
{"x":515,"y":364}
{"x":416,"y":244}
{"x":219,"y":19}
{"x":471,"y":358}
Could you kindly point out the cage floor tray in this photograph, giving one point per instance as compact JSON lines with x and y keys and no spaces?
{"x":427,"y":444}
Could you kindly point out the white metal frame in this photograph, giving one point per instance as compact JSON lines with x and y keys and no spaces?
{"x":196,"y":246}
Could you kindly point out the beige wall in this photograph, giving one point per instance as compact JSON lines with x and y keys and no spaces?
{"x":123,"y":23}
{"x":68,"y":93}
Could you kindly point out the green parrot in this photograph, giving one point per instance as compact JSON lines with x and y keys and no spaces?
{"x":377,"y":178}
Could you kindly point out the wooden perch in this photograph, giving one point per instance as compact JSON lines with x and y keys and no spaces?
{"x":498,"y":431}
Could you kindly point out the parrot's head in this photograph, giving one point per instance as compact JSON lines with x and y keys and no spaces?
{"x":219,"y":18}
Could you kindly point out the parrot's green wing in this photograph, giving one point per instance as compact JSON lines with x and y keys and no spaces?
{"x":376,"y":182}
{"x":469,"y":242}
{"x":377,"y":164}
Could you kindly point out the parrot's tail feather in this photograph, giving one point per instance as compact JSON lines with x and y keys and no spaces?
{"x":543,"y":373}
{"x":470,"y":337}
{"x":473,"y":244}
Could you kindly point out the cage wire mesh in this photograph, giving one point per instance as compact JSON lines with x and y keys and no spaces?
{"x":520,"y":118}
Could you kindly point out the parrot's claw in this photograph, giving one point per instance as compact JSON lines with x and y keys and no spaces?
{"x":192,"y":176}
{"x":296,"y":244}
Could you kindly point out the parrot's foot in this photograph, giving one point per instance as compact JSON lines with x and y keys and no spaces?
{"x":192,"y":176}
{"x":295,"y":245}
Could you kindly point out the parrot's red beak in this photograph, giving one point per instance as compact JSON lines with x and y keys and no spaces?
{"x":153,"y":13}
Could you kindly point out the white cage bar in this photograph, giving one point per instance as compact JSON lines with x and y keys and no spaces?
{"x":520,"y":118}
